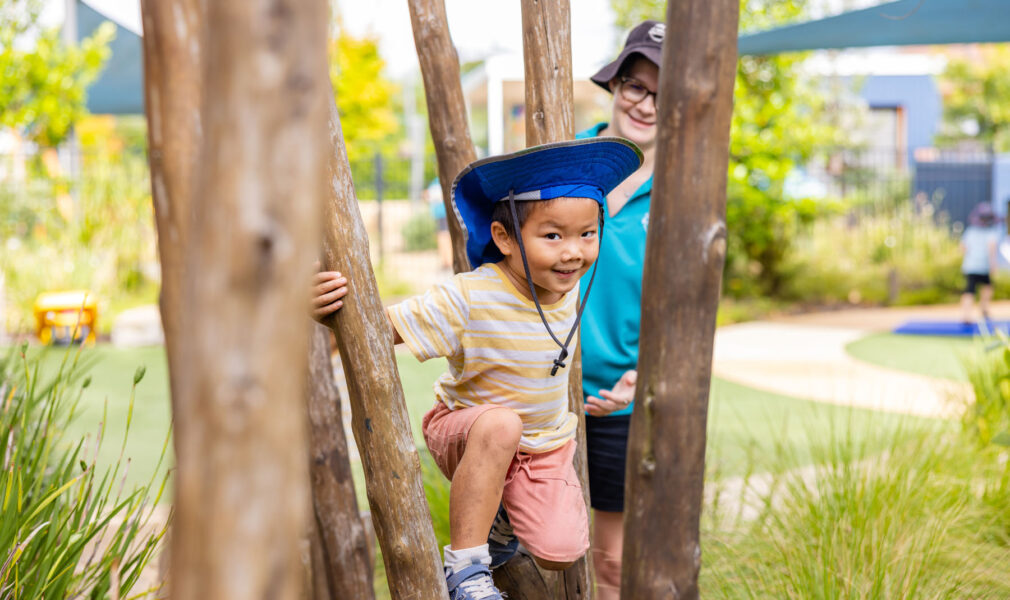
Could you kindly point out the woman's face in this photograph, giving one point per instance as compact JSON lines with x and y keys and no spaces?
{"x":636,"y":121}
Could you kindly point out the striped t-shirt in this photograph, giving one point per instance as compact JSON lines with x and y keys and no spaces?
{"x":497,"y":348}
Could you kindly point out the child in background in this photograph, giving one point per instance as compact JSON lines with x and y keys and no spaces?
{"x":500,"y":429}
{"x":978,"y":243}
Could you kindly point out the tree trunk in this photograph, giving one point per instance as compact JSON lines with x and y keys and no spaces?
{"x":347,"y":564}
{"x":446,"y":108}
{"x":379,"y":414}
{"x":685,"y":250}
{"x":173,"y":43}
{"x":547,"y":59}
{"x":242,"y":483}
{"x":547,"y":65}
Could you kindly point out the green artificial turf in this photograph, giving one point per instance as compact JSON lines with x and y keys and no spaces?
{"x":748,"y":430}
{"x":941,"y":357}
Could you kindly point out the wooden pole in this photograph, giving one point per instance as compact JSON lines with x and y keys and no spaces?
{"x":241,"y":479}
{"x":173,"y":43}
{"x":547,"y":59}
{"x":547,"y":66}
{"x":446,"y":108}
{"x":346,"y":561}
{"x":378,"y":410}
{"x":685,"y":251}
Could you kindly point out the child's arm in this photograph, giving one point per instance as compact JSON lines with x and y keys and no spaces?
{"x":329,"y":288}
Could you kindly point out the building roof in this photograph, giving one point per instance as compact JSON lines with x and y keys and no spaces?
{"x":901,"y":23}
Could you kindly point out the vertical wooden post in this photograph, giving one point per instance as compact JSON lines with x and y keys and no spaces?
{"x":346,"y":561}
{"x":446,"y":108}
{"x":242,"y":482}
{"x":378,"y":410}
{"x":685,"y":252}
{"x":547,"y":59}
{"x":547,"y":66}
{"x":173,"y":43}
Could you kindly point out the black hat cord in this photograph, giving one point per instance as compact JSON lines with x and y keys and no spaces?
{"x":559,"y":362}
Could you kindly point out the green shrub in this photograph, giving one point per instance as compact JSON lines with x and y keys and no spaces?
{"x":987,"y":417}
{"x":419,"y":233}
{"x":919,"y":521}
{"x":67,"y":528}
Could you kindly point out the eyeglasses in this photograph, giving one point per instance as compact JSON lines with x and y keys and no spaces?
{"x":634,"y":91}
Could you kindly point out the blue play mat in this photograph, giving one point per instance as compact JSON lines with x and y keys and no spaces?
{"x":952,"y":328}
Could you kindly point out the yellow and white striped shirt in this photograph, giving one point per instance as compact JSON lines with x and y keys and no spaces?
{"x":497,"y":348}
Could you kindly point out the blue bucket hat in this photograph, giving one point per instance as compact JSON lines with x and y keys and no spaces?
{"x":588,"y":168}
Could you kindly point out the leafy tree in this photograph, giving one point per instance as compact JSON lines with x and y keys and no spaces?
{"x":365,"y":98}
{"x":779,"y":121}
{"x":42,"y":87}
{"x":975,"y":92}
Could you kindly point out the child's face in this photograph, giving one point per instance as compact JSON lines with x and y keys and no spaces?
{"x":561,"y":242}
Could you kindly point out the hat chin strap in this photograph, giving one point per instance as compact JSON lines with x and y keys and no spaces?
{"x":559,"y":362}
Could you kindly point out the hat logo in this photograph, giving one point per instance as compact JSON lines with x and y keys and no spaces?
{"x":657,"y":32}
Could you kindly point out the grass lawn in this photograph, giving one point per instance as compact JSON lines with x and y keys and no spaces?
{"x":749,"y":430}
{"x":924,"y":355}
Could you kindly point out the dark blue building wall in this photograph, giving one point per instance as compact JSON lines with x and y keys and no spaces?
{"x":919,"y":98}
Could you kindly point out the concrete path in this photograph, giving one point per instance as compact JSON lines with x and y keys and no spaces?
{"x":804,"y":357}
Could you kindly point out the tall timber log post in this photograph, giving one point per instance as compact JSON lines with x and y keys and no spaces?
{"x":173,"y":47}
{"x":341,"y":547}
{"x":446,"y":108}
{"x":685,"y":251}
{"x":547,"y":59}
{"x":241,"y":480}
{"x":378,"y":410}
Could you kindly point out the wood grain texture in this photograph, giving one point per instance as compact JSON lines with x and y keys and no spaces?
{"x":446,"y":108}
{"x":343,"y":546}
{"x":378,"y":411}
{"x":172,"y":45}
{"x":547,"y":65}
{"x":685,"y":251}
{"x":241,"y":486}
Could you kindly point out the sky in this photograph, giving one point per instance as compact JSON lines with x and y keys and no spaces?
{"x":478,"y":28}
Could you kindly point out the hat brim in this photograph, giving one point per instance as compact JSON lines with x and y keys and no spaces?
{"x":588,"y":168}
{"x":603,"y":77}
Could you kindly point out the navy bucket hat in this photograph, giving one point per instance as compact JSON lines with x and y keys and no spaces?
{"x":588,"y":168}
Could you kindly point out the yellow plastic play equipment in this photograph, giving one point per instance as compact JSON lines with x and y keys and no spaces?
{"x":65,"y":317}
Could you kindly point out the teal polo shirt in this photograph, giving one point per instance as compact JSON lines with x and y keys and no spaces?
{"x":613,"y":313}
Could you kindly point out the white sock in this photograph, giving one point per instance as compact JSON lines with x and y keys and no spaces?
{"x":457,"y":560}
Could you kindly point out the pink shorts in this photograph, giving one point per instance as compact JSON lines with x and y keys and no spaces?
{"x":542,"y":494}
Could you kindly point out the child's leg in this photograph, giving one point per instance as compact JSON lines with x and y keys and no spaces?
{"x":476,"y":488}
{"x":545,"y":505}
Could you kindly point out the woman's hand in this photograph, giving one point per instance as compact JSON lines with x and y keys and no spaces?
{"x":327,"y":290}
{"x":615,"y":399}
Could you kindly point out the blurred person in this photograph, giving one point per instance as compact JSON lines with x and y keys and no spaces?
{"x":978,"y":243}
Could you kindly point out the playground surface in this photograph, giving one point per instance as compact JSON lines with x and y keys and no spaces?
{"x":805,"y":356}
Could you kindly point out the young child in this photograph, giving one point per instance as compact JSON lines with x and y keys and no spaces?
{"x":978,"y":243}
{"x":500,"y":429}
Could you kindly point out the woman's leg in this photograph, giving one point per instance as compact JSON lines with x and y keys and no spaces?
{"x":608,"y":542}
{"x":984,"y":297}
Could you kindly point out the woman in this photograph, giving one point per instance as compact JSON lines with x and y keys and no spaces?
{"x":610,"y":323}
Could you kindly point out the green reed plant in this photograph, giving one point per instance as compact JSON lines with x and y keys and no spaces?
{"x":68,"y":529}
{"x":918,"y":520}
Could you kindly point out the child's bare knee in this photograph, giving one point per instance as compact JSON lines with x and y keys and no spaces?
{"x":550,"y":565}
{"x":500,"y":426}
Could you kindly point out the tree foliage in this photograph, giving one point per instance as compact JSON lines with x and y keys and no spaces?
{"x":779,"y":121}
{"x":366,"y":100}
{"x":42,"y":80}
{"x":975,"y":93}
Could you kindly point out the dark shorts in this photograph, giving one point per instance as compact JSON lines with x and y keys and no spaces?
{"x":606,"y":451}
{"x":973,"y":280}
